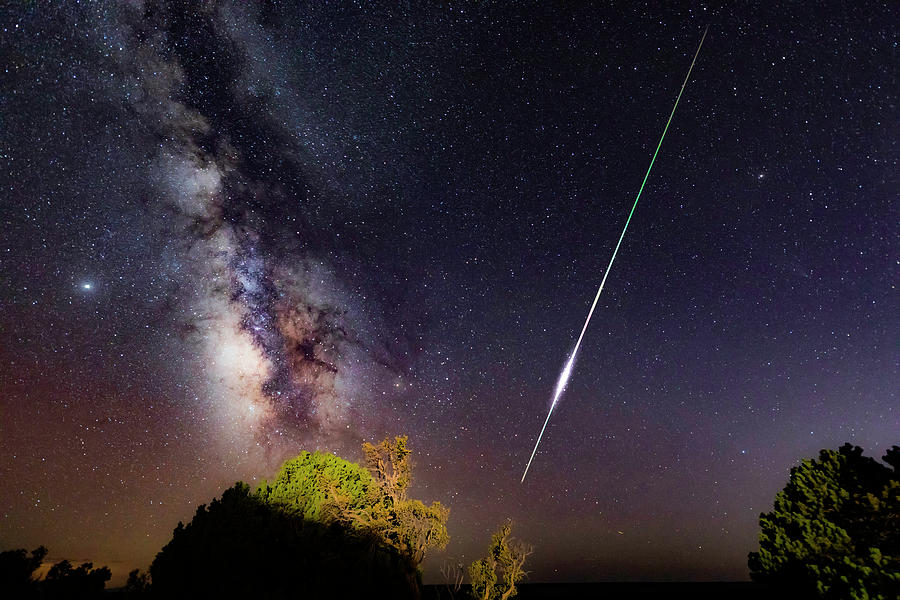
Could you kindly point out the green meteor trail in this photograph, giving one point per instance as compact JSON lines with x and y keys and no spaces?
{"x":567,"y":369}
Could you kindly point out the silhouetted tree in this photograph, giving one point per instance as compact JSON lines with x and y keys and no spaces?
{"x":322,"y":525}
{"x":64,"y":581}
{"x":17,"y":571}
{"x":496,"y":575}
{"x":835,"y":530}
{"x":138,"y":582}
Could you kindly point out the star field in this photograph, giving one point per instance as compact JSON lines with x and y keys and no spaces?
{"x":232,"y":232}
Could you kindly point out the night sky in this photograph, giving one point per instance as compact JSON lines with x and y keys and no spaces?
{"x":232,"y":233}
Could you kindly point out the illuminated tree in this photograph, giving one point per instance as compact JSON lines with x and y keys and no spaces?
{"x":324,"y":525}
{"x":496,"y":575}
{"x":409,"y":525}
{"x":323,"y":487}
{"x":483,"y":574}
{"x":835,"y":529}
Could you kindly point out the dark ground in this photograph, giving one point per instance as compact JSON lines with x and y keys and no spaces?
{"x":732,"y":590}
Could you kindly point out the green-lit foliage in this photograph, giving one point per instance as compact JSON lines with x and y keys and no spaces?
{"x":483,"y":576}
{"x":325,"y":488}
{"x":312,"y":485}
{"x":495,"y":576}
{"x":835,"y":529}
{"x":323,"y":525}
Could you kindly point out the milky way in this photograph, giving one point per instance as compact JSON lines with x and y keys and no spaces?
{"x":269,"y":319}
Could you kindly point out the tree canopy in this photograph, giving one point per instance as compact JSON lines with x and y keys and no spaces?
{"x":311,"y":486}
{"x":835,"y":528}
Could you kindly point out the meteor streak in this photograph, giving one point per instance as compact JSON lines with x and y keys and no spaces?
{"x":567,"y":370}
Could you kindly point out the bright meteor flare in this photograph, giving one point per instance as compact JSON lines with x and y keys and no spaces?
{"x":567,"y":370}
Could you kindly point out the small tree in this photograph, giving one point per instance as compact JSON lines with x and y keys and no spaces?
{"x":835,"y":530}
{"x":496,"y":575}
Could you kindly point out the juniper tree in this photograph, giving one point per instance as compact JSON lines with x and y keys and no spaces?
{"x":321,"y":524}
